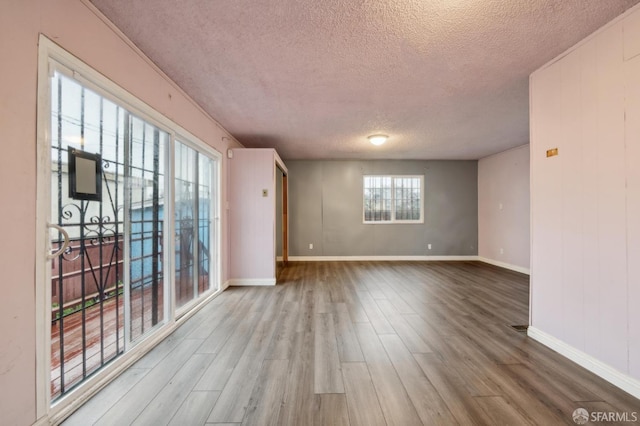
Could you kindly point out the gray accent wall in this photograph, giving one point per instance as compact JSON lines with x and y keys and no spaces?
{"x":325,"y":209}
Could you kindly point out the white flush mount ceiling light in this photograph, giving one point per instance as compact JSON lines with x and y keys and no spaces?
{"x":378,"y":139}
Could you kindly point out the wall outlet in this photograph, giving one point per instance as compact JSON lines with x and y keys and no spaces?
{"x":501,"y":250}
{"x":310,"y":246}
{"x":429,"y":246}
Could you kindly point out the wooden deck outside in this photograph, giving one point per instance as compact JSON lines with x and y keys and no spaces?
{"x":97,"y":348}
{"x":104,"y":334}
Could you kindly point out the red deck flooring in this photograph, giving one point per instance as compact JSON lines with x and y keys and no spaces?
{"x":104,"y":334}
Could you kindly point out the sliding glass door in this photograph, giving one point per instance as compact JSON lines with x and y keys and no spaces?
{"x":107,"y":286}
{"x":133,"y":225}
{"x":144,"y":206}
{"x":196,"y":231}
{"x":87,"y":269}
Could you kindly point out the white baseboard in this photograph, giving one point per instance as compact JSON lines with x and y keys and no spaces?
{"x":610,"y":374}
{"x":237,"y":282}
{"x":225,"y":285}
{"x":409,"y":259}
{"x":505,"y":265}
{"x":378,"y":258}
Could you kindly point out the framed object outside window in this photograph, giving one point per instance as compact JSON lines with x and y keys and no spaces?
{"x":85,"y":175}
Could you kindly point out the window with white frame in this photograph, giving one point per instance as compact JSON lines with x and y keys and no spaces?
{"x":393,"y":199}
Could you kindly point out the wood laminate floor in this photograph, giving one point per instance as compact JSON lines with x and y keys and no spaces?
{"x":358,"y":343}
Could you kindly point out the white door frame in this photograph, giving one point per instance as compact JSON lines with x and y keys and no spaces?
{"x":49,"y":53}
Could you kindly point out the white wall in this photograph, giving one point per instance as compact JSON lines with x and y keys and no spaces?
{"x":585,"y":286}
{"x":503,"y":209}
{"x":76,"y":27}
{"x":252,"y":216}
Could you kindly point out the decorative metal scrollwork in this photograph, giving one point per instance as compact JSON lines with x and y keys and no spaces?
{"x":71,"y":253}
{"x":68,"y":211}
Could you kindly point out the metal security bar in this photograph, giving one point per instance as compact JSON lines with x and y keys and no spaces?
{"x":145,"y":225}
{"x":194,"y":174}
{"x":393,"y":199}
{"x":407,"y":198}
{"x":88,"y":285}
{"x":86,"y":323}
{"x":377,"y":198}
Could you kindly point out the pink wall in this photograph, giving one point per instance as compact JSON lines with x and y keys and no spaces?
{"x":632,"y":172}
{"x":78,"y":29}
{"x":503,"y":208}
{"x":586,"y":201}
{"x":252,"y":216}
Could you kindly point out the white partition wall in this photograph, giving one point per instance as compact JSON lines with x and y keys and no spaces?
{"x":503,"y":209}
{"x":585,"y":203}
{"x":252,"y":215}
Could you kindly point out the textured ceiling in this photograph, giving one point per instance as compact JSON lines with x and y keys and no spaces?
{"x":445,"y":79}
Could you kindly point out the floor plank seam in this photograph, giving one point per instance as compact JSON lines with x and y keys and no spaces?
{"x":411,"y":343}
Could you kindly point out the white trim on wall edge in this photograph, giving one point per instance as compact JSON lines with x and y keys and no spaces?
{"x":378,"y":258}
{"x":237,"y":282}
{"x":610,"y":374}
{"x":42,"y":421}
{"x":505,"y":265}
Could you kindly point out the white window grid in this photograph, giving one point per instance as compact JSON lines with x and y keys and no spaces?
{"x":393,"y":199}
